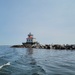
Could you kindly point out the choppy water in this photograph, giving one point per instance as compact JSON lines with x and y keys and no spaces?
{"x":23,"y":61}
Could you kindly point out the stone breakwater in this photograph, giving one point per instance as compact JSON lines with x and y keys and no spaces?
{"x":47,"y":46}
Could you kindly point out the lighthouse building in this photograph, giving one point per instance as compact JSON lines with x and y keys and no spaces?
{"x":30,"y":38}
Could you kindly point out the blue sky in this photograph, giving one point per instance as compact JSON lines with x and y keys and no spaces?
{"x":51,"y":21}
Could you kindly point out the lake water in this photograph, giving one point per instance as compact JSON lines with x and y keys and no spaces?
{"x":23,"y":61}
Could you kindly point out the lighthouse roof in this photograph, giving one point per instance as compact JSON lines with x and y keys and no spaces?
{"x":30,"y":34}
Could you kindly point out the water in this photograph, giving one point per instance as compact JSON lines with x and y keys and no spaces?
{"x":23,"y":61}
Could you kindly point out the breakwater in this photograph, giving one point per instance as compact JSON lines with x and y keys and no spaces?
{"x":47,"y":46}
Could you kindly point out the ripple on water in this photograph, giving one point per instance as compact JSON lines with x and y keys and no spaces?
{"x":37,"y":62}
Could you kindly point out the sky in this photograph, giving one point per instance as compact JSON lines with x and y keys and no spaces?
{"x":50,"y":21}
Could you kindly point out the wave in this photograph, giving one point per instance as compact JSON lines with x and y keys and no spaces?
{"x":7,"y":64}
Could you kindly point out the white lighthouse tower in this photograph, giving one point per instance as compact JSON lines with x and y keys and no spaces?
{"x":30,"y":39}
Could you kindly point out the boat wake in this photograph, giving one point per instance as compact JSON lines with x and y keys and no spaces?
{"x":7,"y":64}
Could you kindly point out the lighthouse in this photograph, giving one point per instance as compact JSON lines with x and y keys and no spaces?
{"x":30,"y":42}
{"x":30,"y":39}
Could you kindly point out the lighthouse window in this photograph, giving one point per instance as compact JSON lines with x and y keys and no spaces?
{"x":27,"y":39}
{"x":30,"y":40}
